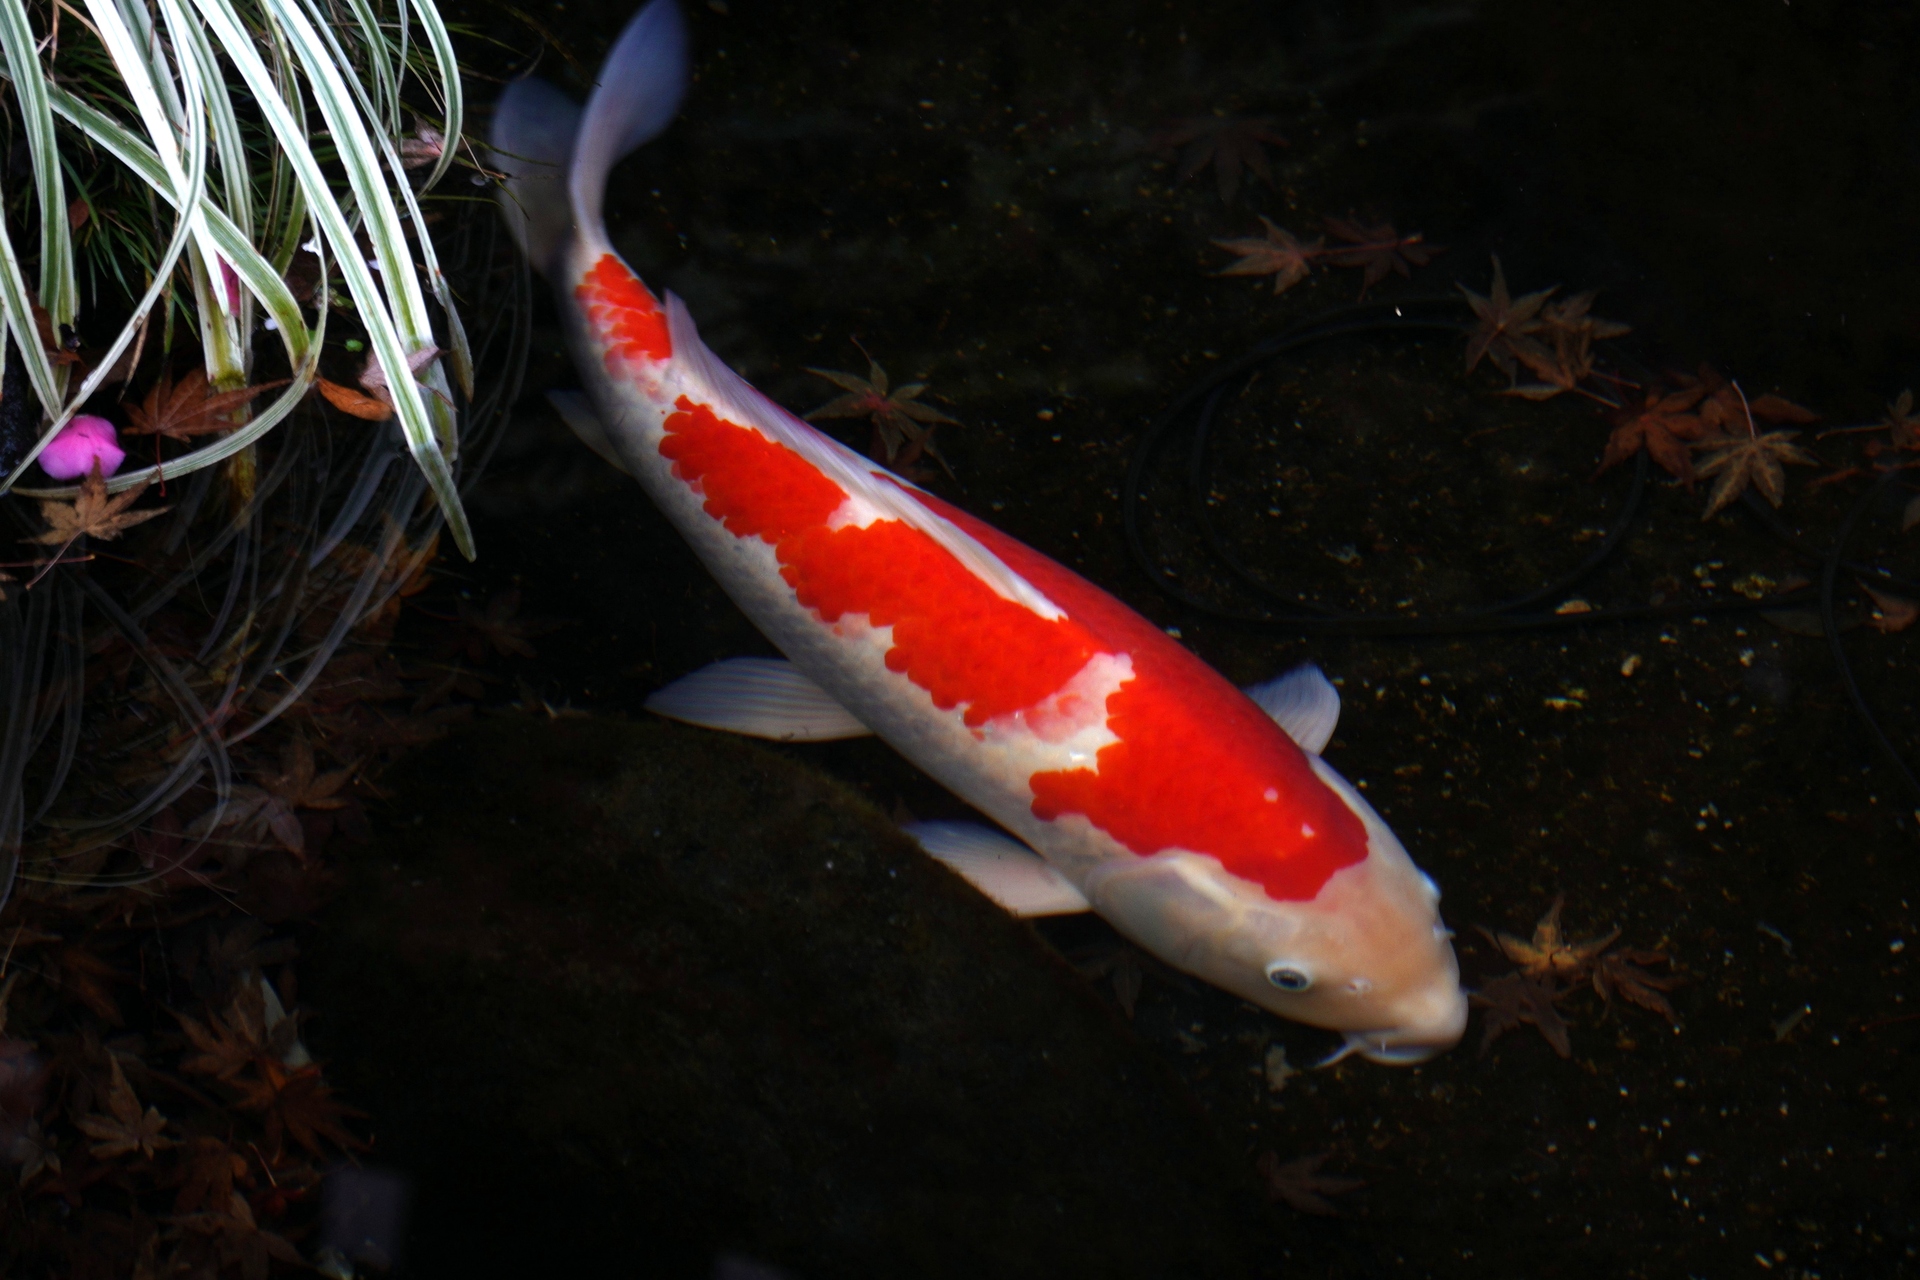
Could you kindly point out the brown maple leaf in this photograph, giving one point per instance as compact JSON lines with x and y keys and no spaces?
{"x":85,"y":976}
{"x":1560,"y":367}
{"x":423,"y":146}
{"x":184,"y":409}
{"x":1903,"y":428}
{"x":227,"y":1045}
{"x":1277,"y":254}
{"x":353,"y":403}
{"x":1623,"y":973}
{"x":1550,"y":954}
{"x":499,"y":627}
{"x":902,"y":426}
{"x":1891,"y":613}
{"x":376,"y":405}
{"x":1502,"y":319}
{"x":1901,"y":424}
{"x":274,"y":805}
{"x":125,"y":1130}
{"x":298,"y":1104}
{"x":92,"y":514}
{"x":205,"y":1174}
{"x":1727,"y":411}
{"x":1663,"y":426}
{"x":240,"y":1242}
{"x":1514,"y":998}
{"x":1378,"y":249}
{"x":1755,"y":461}
{"x":1558,"y":348}
{"x":1229,"y":143}
{"x":1301,"y":1184}
{"x":1571,"y":315}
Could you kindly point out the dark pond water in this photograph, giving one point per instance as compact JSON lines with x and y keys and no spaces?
{"x":974,"y":194}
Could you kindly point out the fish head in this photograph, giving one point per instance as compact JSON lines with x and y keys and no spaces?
{"x":1367,"y":956}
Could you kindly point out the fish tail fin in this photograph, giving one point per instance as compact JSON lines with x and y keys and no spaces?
{"x":532,"y":143}
{"x":641,"y":84}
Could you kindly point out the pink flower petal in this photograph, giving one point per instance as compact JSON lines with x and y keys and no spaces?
{"x":71,"y":454}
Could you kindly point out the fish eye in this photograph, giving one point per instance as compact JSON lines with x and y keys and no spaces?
{"x":1288,"y":977}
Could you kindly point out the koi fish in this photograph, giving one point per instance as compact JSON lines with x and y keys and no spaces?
{"x":1129,"y":778}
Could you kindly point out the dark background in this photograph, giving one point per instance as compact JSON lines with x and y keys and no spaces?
{"x":971,"y":192}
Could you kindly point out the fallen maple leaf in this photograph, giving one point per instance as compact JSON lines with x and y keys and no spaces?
{"x":1892,"y":613}
{"x":349,"y":401}
{"x":1754,"y":461}
{"x":206,"y":1174}
{"x":1663,"y":426}
{"x":93,"y":513}
{"x":229,"y":1045}
{"x":899,"y":417}
{"x":1379,"y":249}
{"x":1571,"y":315}
{"x":184,"y":409}
{"x":1727,"y":411}
{"x":1900,"y":424}
{"x":1902,"y":427}
{"x":126,"y":1129}
{"x":1277,"y":254}
{"x":1622,"y":973}
{"x":298,"y":1104}
{"x":1550,"y":953}
{"x":1502,"y":320}
{"x":1514,"y":998}
{"x":376,"y":405}
{"x":1228,"y":143}
{"x":1301,"y":1184}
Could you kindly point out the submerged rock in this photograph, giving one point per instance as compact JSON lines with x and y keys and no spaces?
{"x":629,"y":996}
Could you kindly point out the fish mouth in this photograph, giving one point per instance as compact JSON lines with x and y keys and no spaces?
{"x":1395,"y":1055}
{"x":1376,"y":1046}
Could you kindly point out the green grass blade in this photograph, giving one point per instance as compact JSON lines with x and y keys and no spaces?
{"x":59,"y":287}
{"x":381,"y":100}
{"x":229,"y":144}
{"x":182,"y":236}
{"x":17,"y":305}
{"x":458,"y":348}
{"x":147,"y":92}
{"x":361,"y":163}
{"x":448,"y":84}
{"x":255,"y":270}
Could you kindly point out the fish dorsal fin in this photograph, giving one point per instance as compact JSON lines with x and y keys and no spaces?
{"x":1304,"y":703}
{"x":576,"y":410}
{"x":758,"y":697}
{"x":887,"y":497}
{"x":532,"y":144}
{"x":999,"y":866}
{"x":639,"y":90}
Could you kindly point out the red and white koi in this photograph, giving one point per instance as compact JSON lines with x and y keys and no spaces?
{"x":1201,"y":822}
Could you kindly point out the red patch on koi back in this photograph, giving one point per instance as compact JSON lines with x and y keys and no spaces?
{"x":623,"y":313}
{"x":953,"y":635}
{"x":1196,"y":759}
{"x":756,"y":487}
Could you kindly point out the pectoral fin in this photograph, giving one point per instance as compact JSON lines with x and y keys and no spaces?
{"x":1304,"y":703}
{"x":576,"y":410}
{"x":759,"y":697}
{"x":999,"y":866}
